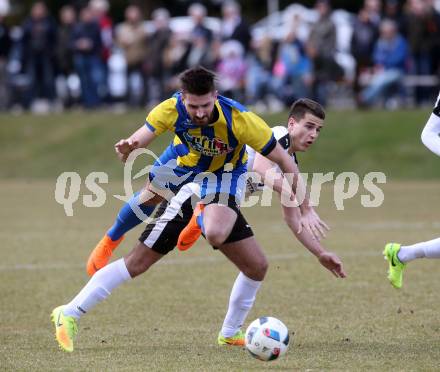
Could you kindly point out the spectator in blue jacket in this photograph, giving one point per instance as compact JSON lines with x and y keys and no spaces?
{"x":390,"y":58}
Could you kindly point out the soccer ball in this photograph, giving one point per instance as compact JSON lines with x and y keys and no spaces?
{"x":267,"y":338}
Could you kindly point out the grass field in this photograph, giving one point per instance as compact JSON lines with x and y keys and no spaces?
{"x":168,"y":319}
{"x":42,"y":147}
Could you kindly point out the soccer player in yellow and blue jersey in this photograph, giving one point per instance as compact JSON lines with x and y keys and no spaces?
{"x":211,"y":134}
{"x":208,"y":139}
{"x":241,"y":247}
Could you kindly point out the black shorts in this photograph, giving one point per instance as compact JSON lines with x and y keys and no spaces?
{"x":171,"y":218}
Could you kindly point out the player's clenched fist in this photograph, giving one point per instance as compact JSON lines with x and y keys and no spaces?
{"x":124,"y":147}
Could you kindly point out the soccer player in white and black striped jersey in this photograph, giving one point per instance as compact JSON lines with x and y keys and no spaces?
{"x":399,"y":255}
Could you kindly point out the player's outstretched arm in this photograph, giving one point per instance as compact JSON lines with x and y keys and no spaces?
{"x":327,"y":259}
{"x":287,"y":166}
{"x":309,"y":219}
{"x":139,"y":139}
{"x":332,"y":263}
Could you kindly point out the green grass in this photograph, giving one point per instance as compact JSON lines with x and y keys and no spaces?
{"x":45,"y":146}
{"x":168,"y":319}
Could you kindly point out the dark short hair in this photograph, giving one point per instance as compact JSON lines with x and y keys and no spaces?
{"x":303,"y":106}
{"x":197,"y":80}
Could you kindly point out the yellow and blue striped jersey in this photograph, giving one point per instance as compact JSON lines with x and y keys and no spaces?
{"x":209,"y":148}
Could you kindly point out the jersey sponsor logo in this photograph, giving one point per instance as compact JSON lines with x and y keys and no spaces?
{"x":207,"y":146}
{"x":188,"y":124}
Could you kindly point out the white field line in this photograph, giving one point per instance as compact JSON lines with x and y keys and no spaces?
{"x":180,"y":261}
{"x":382,"y":225}
{"x":388,"y":225}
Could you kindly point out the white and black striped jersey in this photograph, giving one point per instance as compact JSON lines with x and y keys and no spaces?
{"x":281,"y":134}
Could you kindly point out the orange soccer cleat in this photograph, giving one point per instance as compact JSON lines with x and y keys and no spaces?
{"x":189,"y":235}
{"x":101,"y":254}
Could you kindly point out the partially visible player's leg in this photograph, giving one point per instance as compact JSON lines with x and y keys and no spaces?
{"x":139,"y":207}
{"x":428,"y":249}
{"x":240,"y":247}
{"x":214,"y":220}
{"x":399,"y":255}
{"x":191,"y":233}
{"x":244,"y":251}
{"x":158,"y":238}
{"x":395,"y":266}
{"x":249,"y":258}
{"x":98,"y":289}
{"x":212,"y":217}
{"x":133,"y":213}
{"x":218,"y":221}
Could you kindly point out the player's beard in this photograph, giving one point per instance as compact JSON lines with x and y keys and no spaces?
{"x":205,"y":120}
{"x":201,"y":121}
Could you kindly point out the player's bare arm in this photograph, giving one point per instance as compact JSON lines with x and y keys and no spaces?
{"x":280,"y":157}
{"x":293,"y":218}
{"x":308,"y":218}
{"x":139,"y":139}
{"x":329,"y":260}
{"x":312,"y":222}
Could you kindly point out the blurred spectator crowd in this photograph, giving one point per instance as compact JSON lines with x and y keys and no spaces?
{"x":82,"y":59}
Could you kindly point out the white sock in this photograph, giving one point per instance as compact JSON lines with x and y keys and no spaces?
{"x":98,"y":288}
{"x":240,"y":302}
{"x":429,"y":249}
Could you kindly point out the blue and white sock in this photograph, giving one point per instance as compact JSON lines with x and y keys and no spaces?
{"x":127,"y":218}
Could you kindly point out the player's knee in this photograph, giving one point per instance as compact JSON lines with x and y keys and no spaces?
{"x":262,"y":268}
{"x":257,"y":271}
{"x":138,"y":260}
{"x":216,"y":235}
{"x":152,"y":200}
